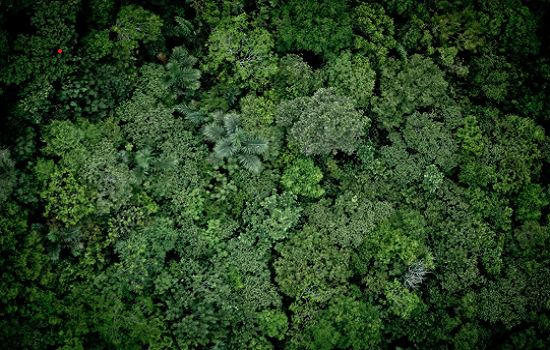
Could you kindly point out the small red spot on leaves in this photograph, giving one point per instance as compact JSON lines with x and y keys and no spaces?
{"x":60,"y":51}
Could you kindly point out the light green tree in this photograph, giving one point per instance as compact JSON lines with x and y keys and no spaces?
{"x":303,"y":177}
{"x":322,"y":124}
{"x":351,"y":76}
{"x":375,"y":31}
{"x":242,"y":52}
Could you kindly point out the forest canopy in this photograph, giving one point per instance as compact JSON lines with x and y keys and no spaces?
{"x":274,"y":174}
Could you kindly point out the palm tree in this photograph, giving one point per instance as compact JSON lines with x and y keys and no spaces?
{"x":64,"y":237}
{"x":231,"y":141}
{"x":180,"y":71}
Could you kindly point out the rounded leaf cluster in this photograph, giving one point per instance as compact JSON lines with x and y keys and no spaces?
{"x":324,"y":123}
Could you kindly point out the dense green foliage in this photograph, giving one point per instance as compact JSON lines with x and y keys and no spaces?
{"x":274,"y":174}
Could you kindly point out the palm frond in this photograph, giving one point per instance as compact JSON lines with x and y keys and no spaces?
{"x":53,"y":236}
{"x":225,"y":148}
{"x":231,"y":122}
{"x":143,"y":159}
{"x":250,"y":162}
{"x":181,"y":28}
{"x":193,"y":85}
{"x":191,"y":114}
{"x":180,"y":69}
{"x":232,"y":96}
{"x":255,"y":145}
{"x":54,"y":251}
{"x":184,"y":27}
{"x":183,"y":77}
{"x":187,"y":61}
{"x":402,"y":52}
{"x":237,"y":138}
{"x":179,"y":54}
{"x":69,"y":234}
{"x":218,"y":116}
{"x":213,"y":132}
{"x":124,"y":156}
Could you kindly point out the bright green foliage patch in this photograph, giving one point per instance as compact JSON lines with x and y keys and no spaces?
{"x":303,"y":177}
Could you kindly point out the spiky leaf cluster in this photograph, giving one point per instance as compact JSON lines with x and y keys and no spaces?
{"x":195,"y":116}
{"x":231,"y":141}
{"x":180,"y":71}
{"x":416,"y":275}
{"x":64,"y":237}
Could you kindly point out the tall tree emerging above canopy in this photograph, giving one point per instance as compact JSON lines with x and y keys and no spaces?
{"x":322,"y":124}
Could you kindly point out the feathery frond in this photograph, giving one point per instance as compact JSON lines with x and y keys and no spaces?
{"x":213,"y":132}
{"x":195,"y":116}
{"x":255,"y":145}
{"x":225,"y":148}
{"x":218,"y":116}
{"x":237,"y":138}
{"x":180,"y":71}
{"x":231,"y":122}
{"x":251,"y":162}
{"x":184,"y":27}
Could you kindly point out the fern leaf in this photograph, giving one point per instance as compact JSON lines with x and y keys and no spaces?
{"x":231,"y":122}
{"x":218,"y":116}
{"x":255,"y":145}
{"x":193,"y":115}
{"x":225,"y":148}
{"x":213,"y":132}
{"x":184,"y":27}
{"x":237,"y":138}
{"x":250,"y":162}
